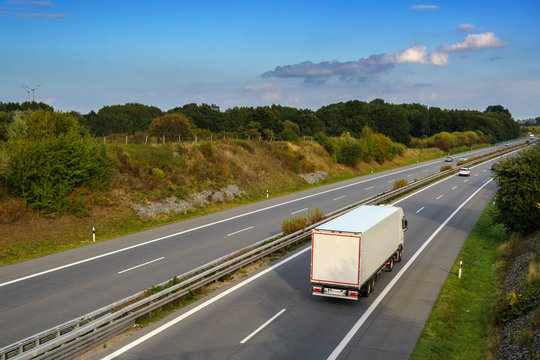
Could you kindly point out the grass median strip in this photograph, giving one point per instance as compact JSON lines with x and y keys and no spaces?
{"x":460,"y":323}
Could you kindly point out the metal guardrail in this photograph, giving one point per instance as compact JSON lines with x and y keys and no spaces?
{"x":83,"y":333}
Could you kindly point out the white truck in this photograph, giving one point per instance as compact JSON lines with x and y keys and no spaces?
{"x":348,"y":252}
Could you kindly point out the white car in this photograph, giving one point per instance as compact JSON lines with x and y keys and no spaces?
{"x":463,"y":158}
{"x":464,"y":172}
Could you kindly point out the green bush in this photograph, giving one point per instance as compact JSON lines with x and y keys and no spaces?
{"x":51,"y":157}
{"x":445,"y":167}
{"x":400,"y":183}
{"x":518,"y":181}
{"x":296,"y":223}
{"x":350,"y":152}
{"x":514,"y":305}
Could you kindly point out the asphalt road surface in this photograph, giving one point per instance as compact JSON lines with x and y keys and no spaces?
{"x":272,"y":314}
{"x":39,"y":294}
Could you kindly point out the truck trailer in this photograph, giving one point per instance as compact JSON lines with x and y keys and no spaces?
{"x":351,"y":250}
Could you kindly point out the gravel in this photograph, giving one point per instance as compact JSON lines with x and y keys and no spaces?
{"x":517,"y":272}
{"x":314,"y":177}
{"x":152,"y":209}
{"x":513,"y":339}
{"x":519,"y":339}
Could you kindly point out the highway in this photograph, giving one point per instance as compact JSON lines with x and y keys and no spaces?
{"x":272,"y":314}
{"x":38,"y":294}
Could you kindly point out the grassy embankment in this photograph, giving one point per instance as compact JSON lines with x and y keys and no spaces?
{"x":463,"y":321}
{"x":155,"y":172}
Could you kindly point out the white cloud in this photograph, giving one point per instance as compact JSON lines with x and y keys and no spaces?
{"x":466,"y":27}
{"x":418,"y":54}
{"x":415,"y":54}
{"x":477,"y":41}
{"x":424,"y":7}
{"x":24,"y":9}
{"x":44,"y":4}
{"x":369,"y":67}
{"x":439,"y":58}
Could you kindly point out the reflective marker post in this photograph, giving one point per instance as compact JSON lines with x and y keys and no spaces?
{"x":460,"y":267}
{"x":94,"y":234}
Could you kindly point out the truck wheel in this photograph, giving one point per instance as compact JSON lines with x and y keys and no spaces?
{"x":372,"y":284}
{"x":390,"y":264}
{"x":398,"y":255}
{"x":366,"y":289}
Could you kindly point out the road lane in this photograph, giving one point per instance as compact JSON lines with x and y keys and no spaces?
{"x":312,"y":327}
{"x":46,"y":300}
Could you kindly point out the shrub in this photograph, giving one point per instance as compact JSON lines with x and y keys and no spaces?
{"x":400,"y":183}
{"x":445,"y":167}
{"x":170,"y":126}
{"x":514,"y":305}
{"x":350,"y":152}
{"x":5,"y":170}
{"x":518,"y":181}
{"x":53,"y":157}
{"x":315,"y":216}
{"x":297,"y":223}
{"x":11,"y":210}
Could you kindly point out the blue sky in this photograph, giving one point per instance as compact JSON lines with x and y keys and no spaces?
{"x":451,"y":54}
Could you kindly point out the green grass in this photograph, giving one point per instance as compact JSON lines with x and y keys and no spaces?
{"x":53,"y":235}
{"x":460,"y":325}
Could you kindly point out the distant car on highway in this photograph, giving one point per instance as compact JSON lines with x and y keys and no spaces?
{"x":449,"y":159}
{"x":463,"y":158}
{"x":464,"y":172}
{"x":507,"y":144}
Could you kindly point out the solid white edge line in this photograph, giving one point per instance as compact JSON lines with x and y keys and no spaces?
{"x":138,"y":266}
{"x":297,"y":211}
{"x":205,"y":225}
{"x":235,"y":217}
{"x":247,"y":281}
{"x":239,"y":231}
{"x":341,"y":346}
{"x":262,"y":327}
{"x":200,"y":307}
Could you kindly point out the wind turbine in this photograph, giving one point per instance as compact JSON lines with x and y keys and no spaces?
{"x":28,"y":89}
{"x":27,"y":92}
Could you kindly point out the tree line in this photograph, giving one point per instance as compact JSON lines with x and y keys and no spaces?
{"x":399,"y":122}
